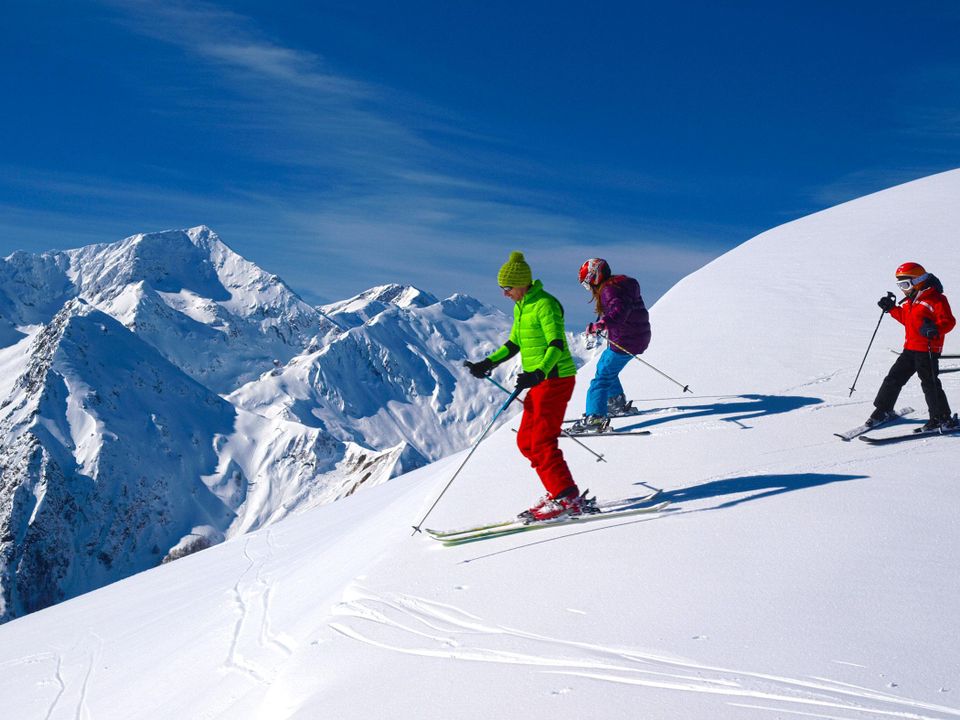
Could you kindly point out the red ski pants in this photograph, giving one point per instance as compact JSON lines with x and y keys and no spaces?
{"x":543,"y":411}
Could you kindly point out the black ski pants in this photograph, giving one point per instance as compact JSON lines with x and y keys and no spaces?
{"x":926,"y":367}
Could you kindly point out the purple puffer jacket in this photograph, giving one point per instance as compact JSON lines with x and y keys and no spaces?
{"x":625,"y":315}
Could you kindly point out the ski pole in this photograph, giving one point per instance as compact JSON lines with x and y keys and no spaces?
{"x":882,"y":313}
{"x":513,"y":396}
{"x":686,"y":388}
{"x":597,"y":455}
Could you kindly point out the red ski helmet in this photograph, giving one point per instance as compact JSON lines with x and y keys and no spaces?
{"x":910,"y":269}
{"x":910,"y":276}
{"x":593,"y":272}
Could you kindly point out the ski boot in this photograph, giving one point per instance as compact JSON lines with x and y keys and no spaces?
{"x":552,"y":508}
{"x":878,"y":417}
{"x":590,"y":424}
{"x":942,"y":424}
{"x":619,"y":405}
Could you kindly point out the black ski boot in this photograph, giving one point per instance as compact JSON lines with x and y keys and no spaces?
{"x":878,"y":417}
{"x":940,"y":424}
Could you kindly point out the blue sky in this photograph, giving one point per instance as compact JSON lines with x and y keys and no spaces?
{"x":348,"y":144}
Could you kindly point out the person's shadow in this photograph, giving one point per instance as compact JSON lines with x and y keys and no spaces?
{"x":737,"y":409}
{"x":751,"y":487}
{"x":747,"y":488}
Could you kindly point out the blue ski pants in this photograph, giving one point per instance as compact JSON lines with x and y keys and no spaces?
{"x":606,"y":383}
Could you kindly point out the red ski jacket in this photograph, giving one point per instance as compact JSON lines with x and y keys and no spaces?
{"x":927,"y":303}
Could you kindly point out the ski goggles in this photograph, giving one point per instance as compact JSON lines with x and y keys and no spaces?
{"x":587,"y":286}
{"x":905,"y":283}
{"x":506,"y":288}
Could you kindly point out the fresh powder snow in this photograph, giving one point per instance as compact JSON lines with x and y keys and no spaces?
{"x":793,"y":574}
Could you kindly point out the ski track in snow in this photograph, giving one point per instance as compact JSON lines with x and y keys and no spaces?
{"x":252,"y":633}
{"x":54,"y":677}
{"x":818,"y":380}
{"x":417,"y":626}
{"x":71,"y":674}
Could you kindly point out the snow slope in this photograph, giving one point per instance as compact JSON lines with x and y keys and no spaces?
{"x":793,"y":575}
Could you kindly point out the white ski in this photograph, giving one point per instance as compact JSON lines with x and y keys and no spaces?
{"x":620,"y":508}
{"x":851,"y":434}
{"x":440,"y":534}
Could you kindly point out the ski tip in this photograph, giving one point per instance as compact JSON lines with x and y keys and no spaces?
{"x":845,"y":439}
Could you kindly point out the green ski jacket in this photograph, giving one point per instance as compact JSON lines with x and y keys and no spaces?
{"x":537,"y":334}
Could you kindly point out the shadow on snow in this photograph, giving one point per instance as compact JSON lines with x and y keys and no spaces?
{"x":741,"y":407}
{"x":756,"y":487}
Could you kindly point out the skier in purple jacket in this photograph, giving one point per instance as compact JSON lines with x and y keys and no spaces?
{"x":623,"y":316}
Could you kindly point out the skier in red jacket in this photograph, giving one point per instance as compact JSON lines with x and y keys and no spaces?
{"x":925,"y":314}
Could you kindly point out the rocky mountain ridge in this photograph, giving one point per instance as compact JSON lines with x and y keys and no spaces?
{"x":162,"y":393}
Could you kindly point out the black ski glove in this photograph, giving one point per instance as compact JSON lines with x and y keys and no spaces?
{"x":929,"y":329}
{"x":887,"y":303}
{"x":530,"y":379}
{"x":480,"y":369}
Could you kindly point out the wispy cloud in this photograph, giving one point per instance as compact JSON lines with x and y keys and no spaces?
{"x":292,"y":108}
{"x":284,"y":105}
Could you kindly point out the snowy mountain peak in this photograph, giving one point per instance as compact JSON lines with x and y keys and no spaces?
{"x":213,"y":313}
{"x":367,"y":305}
{"x":399,"y":295}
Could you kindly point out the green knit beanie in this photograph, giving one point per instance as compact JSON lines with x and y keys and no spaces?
{"x":515,"y":272}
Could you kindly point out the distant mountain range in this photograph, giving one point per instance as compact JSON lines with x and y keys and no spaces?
{"x":162,"y":393}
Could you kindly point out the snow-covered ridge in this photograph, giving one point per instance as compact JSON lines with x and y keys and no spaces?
{"x":104,"y":444}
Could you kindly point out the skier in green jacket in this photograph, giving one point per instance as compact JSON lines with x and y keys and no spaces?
{"x":548,"y":372}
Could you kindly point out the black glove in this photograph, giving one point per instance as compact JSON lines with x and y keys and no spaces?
{"x":480,"y":369}
{"x":887,"y":303}
{"x":529,"y":379}
{"x":929,"y":329}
